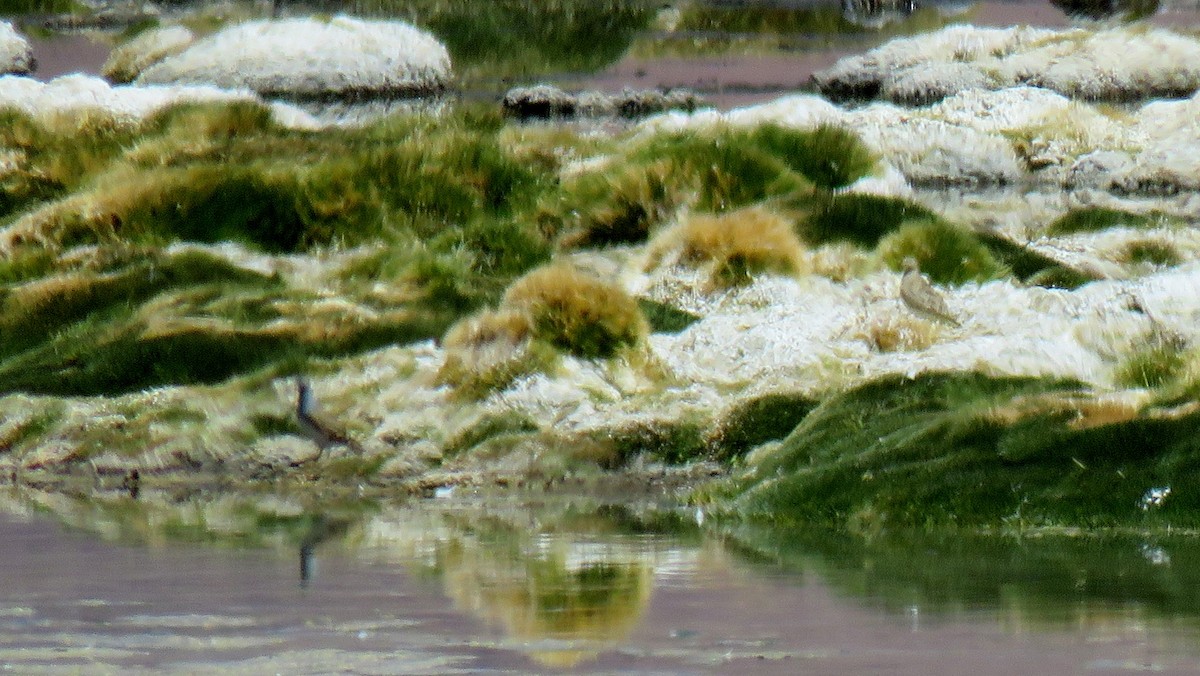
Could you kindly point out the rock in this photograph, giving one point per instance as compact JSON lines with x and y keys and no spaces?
{"x":343,"y":57}
{"x":547,"y":101}
{"x":538,"y":102}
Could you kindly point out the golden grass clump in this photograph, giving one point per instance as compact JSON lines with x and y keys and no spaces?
{"x":735,"y":245}
{"x":577,"y":313}
{"x":894,"y":332}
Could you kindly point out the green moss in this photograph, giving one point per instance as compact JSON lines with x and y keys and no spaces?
{"x":267,"y":425}
{"x":351,"y":468}
{"x":115,"y":352}
{"x":26,"y":263}
{"x":727,"y":167}
{"x":30,"y":313}
{"x":1094,"y":219}
{"x":17,"y":7}
{"x":212,"y":122}
{"x":969,"y":450}
{"x":664,"y":318}
{"x":718,"y":170}
{"x":830,"y":156}
{"x":576,"y":313}
{"x":488,"y":427}
{"x":756,"y":421}
{"x":670,"y":441}
{"x":474,"y":381}
{"x":54,"y":160}
{"x":1157,"y":363}
{"x":859,"y":218}
{"x":34,"y":428}
{"x":946,"y":253}
{"x":618,"y":206}
{"x":1030,"y":266}
{"x":1151,"y":252}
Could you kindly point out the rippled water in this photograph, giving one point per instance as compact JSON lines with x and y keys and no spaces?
{"x":109,"y":584}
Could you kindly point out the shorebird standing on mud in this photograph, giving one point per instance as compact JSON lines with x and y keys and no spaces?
{"x":920,"y":296}
{"x":323,"y":433}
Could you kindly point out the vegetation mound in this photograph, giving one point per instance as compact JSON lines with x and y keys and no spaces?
{"x":577,"y":313}
{"x":733,"y":246}
{"x":714,"y":170}
{"x":965,"y":449}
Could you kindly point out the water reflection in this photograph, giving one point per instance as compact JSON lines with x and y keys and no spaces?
{"x":1028,"y":583}
{"x":568,"y":583}
{"x":322,"y":528}
{"x":563,"y":583}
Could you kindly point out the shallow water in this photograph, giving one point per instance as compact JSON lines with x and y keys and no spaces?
{"x":109,"y":584}
{"x":721,"y":74}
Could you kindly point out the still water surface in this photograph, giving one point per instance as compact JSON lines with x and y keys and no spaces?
{"x":109,"y":584}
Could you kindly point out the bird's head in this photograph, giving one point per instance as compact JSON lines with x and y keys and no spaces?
{"x":910,"y":264}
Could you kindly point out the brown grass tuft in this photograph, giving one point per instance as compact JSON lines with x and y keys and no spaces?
{"x":577,"y":313}
{"x":735,"y":245}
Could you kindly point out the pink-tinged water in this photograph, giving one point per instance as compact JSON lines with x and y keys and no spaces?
{"x":71,"y":602}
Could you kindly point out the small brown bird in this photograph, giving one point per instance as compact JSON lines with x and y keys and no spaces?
{"x":920,"y":296}
{"x":323,"y":433}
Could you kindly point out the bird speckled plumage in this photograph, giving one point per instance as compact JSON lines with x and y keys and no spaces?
{"x":920,"y":296}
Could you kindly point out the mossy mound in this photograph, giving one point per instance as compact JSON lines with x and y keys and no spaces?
{"x":1094,"y":219}
{"x":1031,"y":266}
{"x":712,"y":170}
{"x":946,"y":253}
{"x":964,"y":449}
{"x":509,"y":39}
{"x":1152,"y":252}
{"x":91,"y":207}
{"x":218,"y":172}
{"x":755,"y":421}
{"x":148,"y":318}
{"x":576,"y":313}
{"x":733,"y":246}
{"x":862,"y":219}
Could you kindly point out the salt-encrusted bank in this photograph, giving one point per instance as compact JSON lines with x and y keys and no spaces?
{"x":342,"y":56}
{"x":128,"y":60}
{"x":1117,"y":64}
{"x":1011,"y":137}
{"x":16,"y":56}
{"x":77,"y":96}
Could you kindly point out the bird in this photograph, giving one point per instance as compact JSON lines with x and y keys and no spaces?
{"x":920,"y":296}
{"x":323,"y":433}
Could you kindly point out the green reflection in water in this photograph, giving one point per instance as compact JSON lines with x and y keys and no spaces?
{"x":1028,"y":583}
{"x":709,"y":28}
{"x":224,"y":520}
